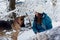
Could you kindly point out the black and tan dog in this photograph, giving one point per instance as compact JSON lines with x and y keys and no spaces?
{"x":15,"y":25}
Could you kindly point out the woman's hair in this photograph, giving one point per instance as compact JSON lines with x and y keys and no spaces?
{"x":35,"y":19}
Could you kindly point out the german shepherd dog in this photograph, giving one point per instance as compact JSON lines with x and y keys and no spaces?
{"x":14,"y":25}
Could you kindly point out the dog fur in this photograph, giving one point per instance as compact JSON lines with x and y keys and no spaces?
{"x":16,"y":25}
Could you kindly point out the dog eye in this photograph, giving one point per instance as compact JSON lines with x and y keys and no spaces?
{"x":21,"y":19}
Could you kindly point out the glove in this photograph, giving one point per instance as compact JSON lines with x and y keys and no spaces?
{"x":38,"y":36}
{"x":42,"y":36}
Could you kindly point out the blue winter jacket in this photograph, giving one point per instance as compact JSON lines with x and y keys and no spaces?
{"x":46,"y":24}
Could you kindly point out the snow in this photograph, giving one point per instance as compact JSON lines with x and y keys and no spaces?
{"x":55,"y":24}
{"x":3,"y":5}
{"x":25,"y":35}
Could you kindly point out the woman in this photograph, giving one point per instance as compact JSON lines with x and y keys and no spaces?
{"x":42,"y":21}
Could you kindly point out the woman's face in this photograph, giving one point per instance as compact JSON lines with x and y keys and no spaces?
{"x":39,"y":15}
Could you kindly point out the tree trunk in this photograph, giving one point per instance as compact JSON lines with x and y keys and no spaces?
{"x":12,"y":7}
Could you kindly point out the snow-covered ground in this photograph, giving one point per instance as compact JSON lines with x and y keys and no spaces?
{"x":55,"y":24}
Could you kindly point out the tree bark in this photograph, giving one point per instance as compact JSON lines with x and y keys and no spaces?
{"x":12,"y":7}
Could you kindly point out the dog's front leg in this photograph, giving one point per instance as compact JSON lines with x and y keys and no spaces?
{"x":15,"y":35}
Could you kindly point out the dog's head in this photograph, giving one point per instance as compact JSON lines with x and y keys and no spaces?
{"x":20,"y":20}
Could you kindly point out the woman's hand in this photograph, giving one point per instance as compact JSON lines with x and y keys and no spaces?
{"x":38,"y":36}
